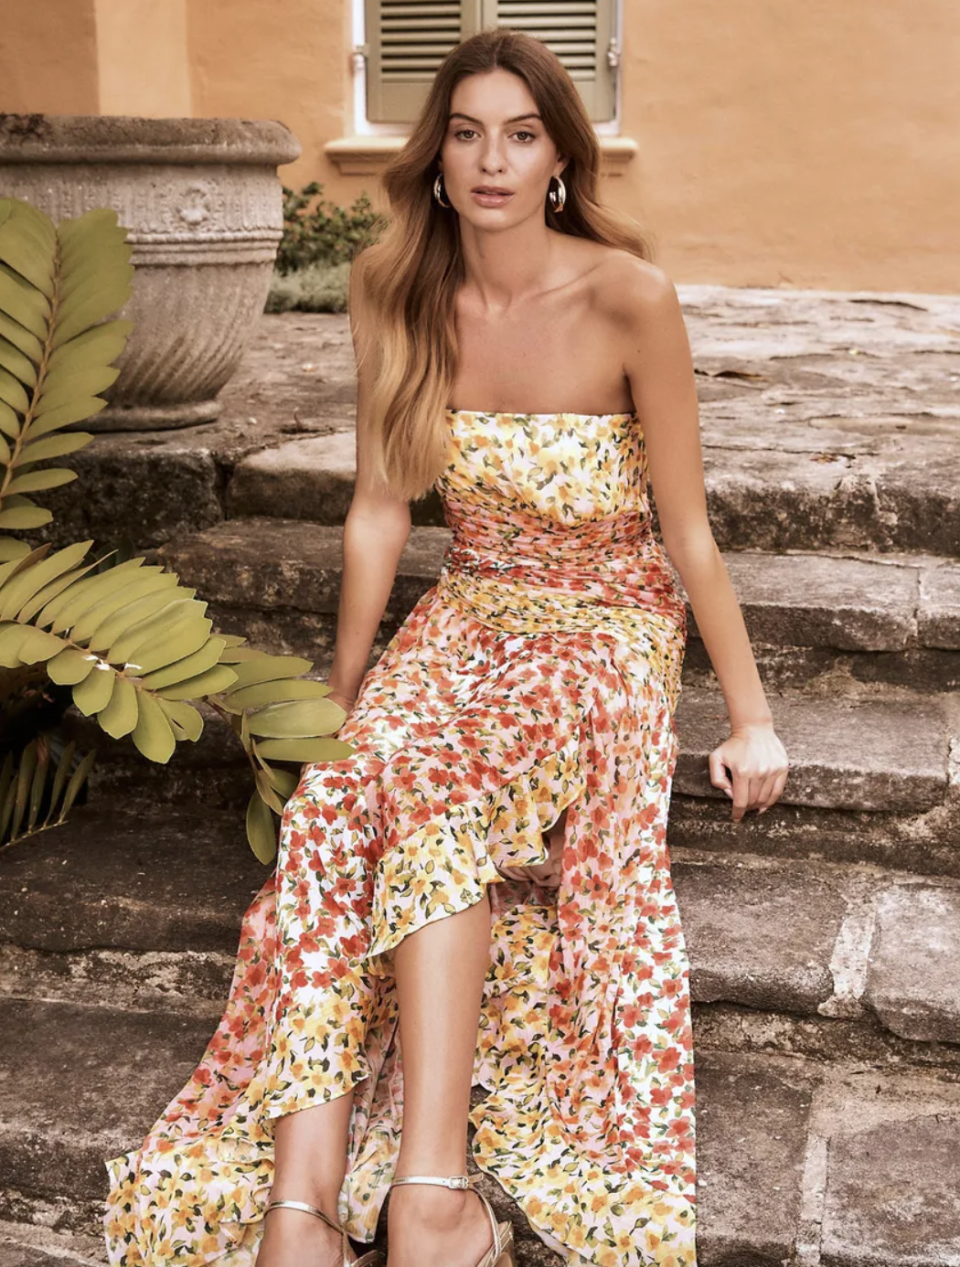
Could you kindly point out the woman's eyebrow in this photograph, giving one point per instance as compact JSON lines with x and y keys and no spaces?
{"x":458,"y":114}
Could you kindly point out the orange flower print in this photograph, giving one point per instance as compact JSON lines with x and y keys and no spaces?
{"x":540,"y":674}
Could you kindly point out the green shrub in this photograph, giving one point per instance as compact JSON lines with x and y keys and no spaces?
{"x":316,"y":288}
{"x":324,"y":233}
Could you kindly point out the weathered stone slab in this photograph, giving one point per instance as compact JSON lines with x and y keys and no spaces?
{"x":12,"y":1255}
{"x":939,"y":614}
{"x":115,"y":875}
{"x":858,"y":754}
{"x":23,"y":1245}
{"x":84,"y":1084}
{"x":862,"y":1042}
{"x":811,"y":600}
{"x":913,"y":983}
{"x":762,"y":493}
{"x":761,"y":935}
{"x":921,"y":842}
{"x":134,"y":487}
{"x":752,"y":1121}
{"x":769,"y":500}
{"x":892,"y":1198}
{"x":786,"y":668}
{"x":189,"y":982}
{"x":270,"y":564}
{"x":794,"y":600}
{"x":144,"y":909}
{"x":309,"y":478}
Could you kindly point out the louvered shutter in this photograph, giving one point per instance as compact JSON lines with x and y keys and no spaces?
{"x":408,"y":39}
{"x":406,"y":42}
{"x":578,"y":31}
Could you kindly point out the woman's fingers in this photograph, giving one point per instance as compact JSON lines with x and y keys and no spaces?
{"x":718,"y":774}
{"x":741,"y":795}
{"x":765,"y":796}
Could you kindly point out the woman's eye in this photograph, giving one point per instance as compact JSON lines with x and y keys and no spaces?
{"x":523,"y":132}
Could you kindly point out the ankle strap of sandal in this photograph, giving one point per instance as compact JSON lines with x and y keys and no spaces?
{"x":454,"y":1181}
{"x":309,"y":1209}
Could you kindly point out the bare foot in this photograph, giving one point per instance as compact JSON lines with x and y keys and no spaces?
{"x":292,"y":1238}
{"x":436,"y":1227}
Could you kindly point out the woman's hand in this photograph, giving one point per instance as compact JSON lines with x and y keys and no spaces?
{"x":547,"y":874}
{"x":345,"y":701}
{"x":758,"y":762}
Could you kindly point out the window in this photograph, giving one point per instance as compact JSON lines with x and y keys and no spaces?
{"x":407,"y":39}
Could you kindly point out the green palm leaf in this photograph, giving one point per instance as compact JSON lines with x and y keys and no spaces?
{"x":56,"y":284}
{"x":134,"y":646}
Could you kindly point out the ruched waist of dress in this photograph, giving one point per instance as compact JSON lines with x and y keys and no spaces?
{"x":575,"y":580}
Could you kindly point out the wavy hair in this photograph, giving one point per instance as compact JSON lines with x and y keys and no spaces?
{"x":411,"y":277}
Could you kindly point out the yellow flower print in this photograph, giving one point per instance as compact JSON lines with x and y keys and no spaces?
{"x":540,"y":672}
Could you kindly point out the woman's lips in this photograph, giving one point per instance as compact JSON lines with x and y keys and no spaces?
{"x":489,"y":200}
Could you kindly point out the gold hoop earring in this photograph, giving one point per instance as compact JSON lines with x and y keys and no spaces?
{"x":436,"y":191}
{"x":557,"y":196}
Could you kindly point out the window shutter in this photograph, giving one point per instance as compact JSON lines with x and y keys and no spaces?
{"x":408,"y":39}
{"x":579,"y":32}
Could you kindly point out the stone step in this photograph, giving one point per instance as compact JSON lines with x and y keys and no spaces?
{"x":34,"y":1245}
{"x":826,"y":419}
{"x":841,"y":619}
{"x":795,"y":1160}
{"x":788,"y":487}
{"x":141,"y":908}
{"x":872,"y":780}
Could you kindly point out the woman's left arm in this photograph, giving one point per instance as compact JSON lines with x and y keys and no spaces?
{"x":659,"y":366}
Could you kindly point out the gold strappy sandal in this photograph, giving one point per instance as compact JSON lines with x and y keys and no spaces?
{"x":373,"y":1259}
{"x":502,"y":1252}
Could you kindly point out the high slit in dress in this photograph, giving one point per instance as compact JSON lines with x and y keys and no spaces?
{"x":541,"y":673}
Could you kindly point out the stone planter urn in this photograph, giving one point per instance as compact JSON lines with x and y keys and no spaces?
{"x":203,"y":206}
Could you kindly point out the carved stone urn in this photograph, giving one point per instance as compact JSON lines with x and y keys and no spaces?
{"x":203,"y":206}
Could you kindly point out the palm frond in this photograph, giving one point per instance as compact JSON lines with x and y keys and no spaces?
{"x":131,"y":644}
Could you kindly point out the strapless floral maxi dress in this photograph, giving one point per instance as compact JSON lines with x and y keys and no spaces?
{"x":540,"y":673}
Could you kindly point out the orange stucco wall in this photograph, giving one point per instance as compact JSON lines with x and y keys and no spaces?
{"x":247,"y":63}
{"x":48,"y":57}
{"x":144,"y":57}
{"x":812,"y":145}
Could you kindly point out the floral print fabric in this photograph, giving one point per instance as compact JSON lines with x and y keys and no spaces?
{"x":540,"y":674}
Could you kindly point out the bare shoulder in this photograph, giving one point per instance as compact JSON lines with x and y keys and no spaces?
{"x":630,"y":291}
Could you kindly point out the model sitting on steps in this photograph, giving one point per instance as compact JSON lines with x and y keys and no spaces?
{"x":480,"y":895}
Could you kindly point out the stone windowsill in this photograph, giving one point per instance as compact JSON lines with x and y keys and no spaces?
{"x":367,"y":155}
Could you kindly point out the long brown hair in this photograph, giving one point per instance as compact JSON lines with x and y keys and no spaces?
{"x":412,"y":276}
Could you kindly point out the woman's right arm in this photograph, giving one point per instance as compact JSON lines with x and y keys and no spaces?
{"x":375,"y":531}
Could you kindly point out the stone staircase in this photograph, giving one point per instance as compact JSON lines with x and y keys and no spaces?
{"x":824,"y":937}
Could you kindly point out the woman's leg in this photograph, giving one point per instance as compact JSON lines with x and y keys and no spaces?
{"x":440,"y":971}
{"x":310,"y":1159}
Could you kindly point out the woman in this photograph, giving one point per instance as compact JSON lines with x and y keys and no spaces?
{"x":482,"y":890}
